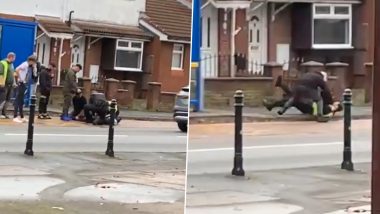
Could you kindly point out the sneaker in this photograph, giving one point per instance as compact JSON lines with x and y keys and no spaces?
{"x":24,"y":120}
{"x":47,"y":117}
{"x":41,"y":117}
{"x":17,"y":120}
{"x":3,"y":116}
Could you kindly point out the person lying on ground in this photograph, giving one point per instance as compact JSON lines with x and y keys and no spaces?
{"x":307,"y":92}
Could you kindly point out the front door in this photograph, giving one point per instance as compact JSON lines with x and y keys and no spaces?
{"x":257,"y":39}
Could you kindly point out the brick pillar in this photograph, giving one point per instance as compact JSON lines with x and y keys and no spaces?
{"x":311,"y":66}
{"x":130,"y":86}
{"x":112,"y":85}
{"x":340,"y":70}
{"x":87,"y":87}
{"x":123,"y":97}
{"x":368,"y":82}
{"x":274,"y":69}
{"x":153,"y":97}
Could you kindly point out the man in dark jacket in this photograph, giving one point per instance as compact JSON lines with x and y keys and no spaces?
{"x":70,"y":87}
{"x":310,"y":94}
{"x":97,"y":110}
{"x":46,"y":76}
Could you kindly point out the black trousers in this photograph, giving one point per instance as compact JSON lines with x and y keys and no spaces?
{"x":91,"y":111}
{"x":19,"y":101}
{"x":5,"y":97}
{"x":44,"y":101}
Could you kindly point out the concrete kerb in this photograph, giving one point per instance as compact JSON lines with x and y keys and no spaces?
{"x":141,"y":117}
{"x":214,"y":119}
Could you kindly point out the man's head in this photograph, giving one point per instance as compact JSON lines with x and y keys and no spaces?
{"x":32,"y":60}
{"x":76,"y":68}
{"x":11,"y":57}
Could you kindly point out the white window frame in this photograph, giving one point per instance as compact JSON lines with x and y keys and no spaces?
{"x":332,"y":15}
{"x":129,"y":48}
{"x":182,"y":52}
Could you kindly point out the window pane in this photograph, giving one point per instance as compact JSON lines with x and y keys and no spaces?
{"x":128,"y":59}
{"x":322,"y":10}
{"x":123,"y":44}
{"x":328,"y":31}
{"x":136,"y":45}
{"x":342,"y":10}
{"x":176,"y":60}
{"x":178,"y":48}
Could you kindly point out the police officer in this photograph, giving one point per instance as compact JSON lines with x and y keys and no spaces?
{"x":98,"y":110}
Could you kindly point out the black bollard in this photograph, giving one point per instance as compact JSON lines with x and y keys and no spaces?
{"x":29,"y":141}
{"x":347,"y":153}
{"x":111,"y":131}
{"x":238,"y":159}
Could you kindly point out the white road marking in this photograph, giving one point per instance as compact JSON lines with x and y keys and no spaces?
{"x":64,"y":135}
{"x":269,"y":147}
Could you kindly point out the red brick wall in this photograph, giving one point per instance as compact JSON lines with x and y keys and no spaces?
{"x":54,"y":55}
{"x":173,"y":80}
{"x":153,"y":48}
{"x":241,"y":39}
{"x":224,"y":43}
{"x":279,"y":31}
{"x":92,"y":56}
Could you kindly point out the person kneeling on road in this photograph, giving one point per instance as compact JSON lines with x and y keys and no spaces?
{"x":98,"y":111}
{"x":79,"y":101}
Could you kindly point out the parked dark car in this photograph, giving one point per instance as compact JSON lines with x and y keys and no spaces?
{"x":181,"y":109}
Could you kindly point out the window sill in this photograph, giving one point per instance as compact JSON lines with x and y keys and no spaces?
{"x":127,"y":69}
{"x":332,"y":47}
{"x":177,"y":69}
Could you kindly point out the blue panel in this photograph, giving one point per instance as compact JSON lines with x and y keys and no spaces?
{"x":17,"y":38}
{"x":196,"y":33}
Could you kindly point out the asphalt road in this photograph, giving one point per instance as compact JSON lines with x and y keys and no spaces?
{"x":290,"y":167}
{"x":129,"y":137}
{"x":270,"y":146}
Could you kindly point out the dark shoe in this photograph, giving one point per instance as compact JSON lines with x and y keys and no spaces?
{"x":280,"y":112}
{"x":278,"y":81}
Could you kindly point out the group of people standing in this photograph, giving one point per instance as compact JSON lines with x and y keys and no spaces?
{"x":17,"y":80}
{"x":31,"y":72}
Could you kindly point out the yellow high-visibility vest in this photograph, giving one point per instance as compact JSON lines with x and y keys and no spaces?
{"x":3,"y":78}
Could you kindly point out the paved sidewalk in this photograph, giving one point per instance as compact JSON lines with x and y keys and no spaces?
{"x":314,"y":190}
{"x":260,"y":114}
{"x":125,"y":114}
{"x":92,"y":183}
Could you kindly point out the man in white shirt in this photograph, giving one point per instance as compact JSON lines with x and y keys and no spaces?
{"x":24,"y":73}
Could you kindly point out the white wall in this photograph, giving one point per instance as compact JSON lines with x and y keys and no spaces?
{"x":114,"y":11}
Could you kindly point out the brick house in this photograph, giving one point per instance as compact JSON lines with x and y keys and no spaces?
{"x":288,"y":32}
{"x":126,"y":40}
